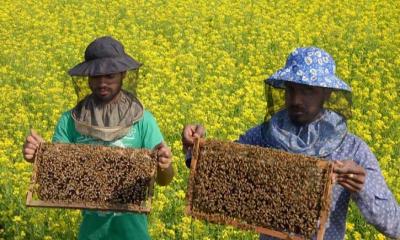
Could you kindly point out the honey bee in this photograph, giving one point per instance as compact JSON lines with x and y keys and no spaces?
{"x":259,"y":187}
{"x":77,"y":173}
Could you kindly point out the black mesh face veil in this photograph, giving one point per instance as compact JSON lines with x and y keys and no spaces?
{"x":340,"y":101}
{"x":129,"y":83}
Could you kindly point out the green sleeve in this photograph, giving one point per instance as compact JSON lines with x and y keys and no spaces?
{"x":62,"y":133}
{"x":151,"y":134}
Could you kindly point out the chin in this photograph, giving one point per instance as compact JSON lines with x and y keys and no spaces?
{"x":103,"y":98}
{"x":298,"y":121}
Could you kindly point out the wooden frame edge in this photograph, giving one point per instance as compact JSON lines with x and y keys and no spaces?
{"x":145,"y":206}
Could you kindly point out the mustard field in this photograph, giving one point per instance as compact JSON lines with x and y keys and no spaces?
{"x":203,"y":62}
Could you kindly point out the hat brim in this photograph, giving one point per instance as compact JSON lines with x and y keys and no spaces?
{"x":279,"y":78}
{"x":104,"y":66}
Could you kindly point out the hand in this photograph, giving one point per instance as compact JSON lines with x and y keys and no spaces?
{"x":165,"y":171}
{"x":31,"y":144}
{"x":164,"y":156}
{"x":350,"y":175}
{"x":189,"y":132}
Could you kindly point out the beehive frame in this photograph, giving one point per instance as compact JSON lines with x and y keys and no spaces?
{"x":239,"y":223}
{"x":33,"y":200}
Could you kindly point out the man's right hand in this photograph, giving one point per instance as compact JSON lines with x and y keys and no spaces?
{"x":189,"y":132}
{"x":32,"y":142}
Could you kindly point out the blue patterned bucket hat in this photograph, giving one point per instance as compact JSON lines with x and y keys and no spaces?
{"x":310,"y":66}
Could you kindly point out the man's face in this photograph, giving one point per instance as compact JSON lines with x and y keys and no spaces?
{"x":106,"y":87}
{"x":304,"y":103}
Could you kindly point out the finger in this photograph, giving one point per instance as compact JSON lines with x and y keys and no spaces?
{"x":347,"y":186}
{"x":28,"y":151}
{"x":341,"y":166}
{"x":188,"y":134}
{"x":164,"y":152}
{"x":352,"y":176}
{"x":30,"y":139}
{"x":37,"y":137}
{"x":164,"y":160}
{"x":357,"y":178}
{"x":337,"y":165}
{"x":359,"y":170}
{"x":348,"y":167}
{"x":160,"y":146}
{"x":354,"y":169}
{"x":334,"y":177}
{"x":28,"y":156}
{"x":32,"y":146}
{"x":340,"y":163}
{"x":351,"y":185}
{"x":200,"y":131}
{"x":162,"y":149}
{"x":164,"y":165}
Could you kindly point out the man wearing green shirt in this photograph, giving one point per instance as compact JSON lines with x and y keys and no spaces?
{"x":109,"y":116}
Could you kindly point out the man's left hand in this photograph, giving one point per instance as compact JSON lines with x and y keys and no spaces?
{"x":350,"y":175}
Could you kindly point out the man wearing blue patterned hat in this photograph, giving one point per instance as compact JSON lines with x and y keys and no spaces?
{"x":312,"y":120}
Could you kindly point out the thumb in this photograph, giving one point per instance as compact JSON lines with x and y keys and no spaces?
{"x":160,"y":145}
{"x":37,"y":137}
{"x":200,"y":131}
{"x":339,"y":163}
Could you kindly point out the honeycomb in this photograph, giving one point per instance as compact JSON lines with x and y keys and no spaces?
{"x":255,"y":186}
{"x":78,"y":173}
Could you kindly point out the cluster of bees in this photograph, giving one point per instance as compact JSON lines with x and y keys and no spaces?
{"x":259,"y":186}
{"x":77,"y":173}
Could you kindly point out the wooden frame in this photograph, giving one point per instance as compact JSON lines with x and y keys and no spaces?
{"x":144,"y":207}
{"x":216,"y":218}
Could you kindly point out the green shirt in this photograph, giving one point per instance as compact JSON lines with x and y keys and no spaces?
{"x":113,"y":225}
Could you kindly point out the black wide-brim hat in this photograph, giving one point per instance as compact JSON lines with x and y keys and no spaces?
{"x":104,"y":56}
